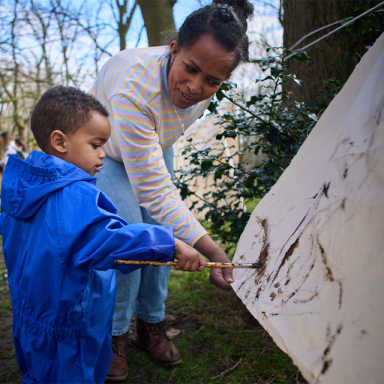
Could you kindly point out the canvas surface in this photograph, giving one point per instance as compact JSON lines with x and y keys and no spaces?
{"x":320,"y":233}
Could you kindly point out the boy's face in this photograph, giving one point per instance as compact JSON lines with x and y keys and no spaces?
{"x":84,"y":147}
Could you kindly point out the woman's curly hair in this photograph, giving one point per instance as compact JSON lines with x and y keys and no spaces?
{"x":225,"y":20}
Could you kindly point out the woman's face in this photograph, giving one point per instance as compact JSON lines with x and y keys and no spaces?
{"x":197,"y":72}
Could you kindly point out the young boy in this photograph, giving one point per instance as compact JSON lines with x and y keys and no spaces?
{"x":61,"y":236}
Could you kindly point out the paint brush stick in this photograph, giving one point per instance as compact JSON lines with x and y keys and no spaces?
{"x":259,"y":264}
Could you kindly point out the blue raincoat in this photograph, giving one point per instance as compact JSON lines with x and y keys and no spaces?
{"x":61,"y":236}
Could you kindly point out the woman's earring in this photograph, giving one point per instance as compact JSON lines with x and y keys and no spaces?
{"x":172,"y":61}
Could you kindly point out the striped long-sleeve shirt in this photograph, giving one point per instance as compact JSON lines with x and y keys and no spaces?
{"x":132,"y":85}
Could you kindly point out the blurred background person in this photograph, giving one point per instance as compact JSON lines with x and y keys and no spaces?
{"x":9,"y":146}
{"x":21,"y":149}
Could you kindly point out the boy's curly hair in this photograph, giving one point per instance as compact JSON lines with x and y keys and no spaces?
{"x":65,"y":109}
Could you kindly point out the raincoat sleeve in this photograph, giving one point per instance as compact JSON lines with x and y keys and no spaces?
{"x":101,"y":237}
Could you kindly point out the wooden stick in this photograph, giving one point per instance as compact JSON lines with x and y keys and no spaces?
{"x":209,"y":265}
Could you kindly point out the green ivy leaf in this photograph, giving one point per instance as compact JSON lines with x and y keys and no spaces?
{"x":301,"y":57}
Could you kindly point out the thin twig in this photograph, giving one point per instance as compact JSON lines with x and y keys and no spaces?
{"x":171,"y":375}
{"x":335,"y":30}
{"x":194,"y":333}
{"x":228,"y":370}
{"x":270,"y":380}
{"x":243,"y":108}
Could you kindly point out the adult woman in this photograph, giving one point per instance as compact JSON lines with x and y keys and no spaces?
{"x":153,"y":95}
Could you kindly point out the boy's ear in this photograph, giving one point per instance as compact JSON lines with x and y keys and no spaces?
{"x":59,"y":141}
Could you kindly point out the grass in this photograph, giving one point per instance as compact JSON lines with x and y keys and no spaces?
{"x":9,"y":372}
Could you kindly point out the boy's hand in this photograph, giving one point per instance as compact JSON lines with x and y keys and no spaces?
{"x":188,"y":258}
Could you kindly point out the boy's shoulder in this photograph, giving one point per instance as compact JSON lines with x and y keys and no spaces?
{"x":87,"y":195}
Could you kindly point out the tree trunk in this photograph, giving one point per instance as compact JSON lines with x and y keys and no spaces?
{"x":158,"y":19}
{"x":335,"y":57}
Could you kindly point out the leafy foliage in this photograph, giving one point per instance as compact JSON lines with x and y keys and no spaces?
{"x":366,"y":29}
{"x":271,"y":125}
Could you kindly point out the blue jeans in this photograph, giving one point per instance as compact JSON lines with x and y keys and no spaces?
{"x":145,"y":289}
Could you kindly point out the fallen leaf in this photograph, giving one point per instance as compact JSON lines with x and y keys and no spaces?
{"x":172,"y":333}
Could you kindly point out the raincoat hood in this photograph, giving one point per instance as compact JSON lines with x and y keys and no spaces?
{"x":27,"y":184}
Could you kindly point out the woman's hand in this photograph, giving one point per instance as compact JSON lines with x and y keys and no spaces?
{"x":220,"y":277}
{"x":188,"y":258}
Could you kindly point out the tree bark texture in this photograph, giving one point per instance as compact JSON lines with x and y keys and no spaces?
{"x":158,"y":19}
{"x":329,"y":57}
{"x":122,"y":27}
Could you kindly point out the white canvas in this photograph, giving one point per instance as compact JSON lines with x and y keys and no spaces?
{"x":320,"y":233}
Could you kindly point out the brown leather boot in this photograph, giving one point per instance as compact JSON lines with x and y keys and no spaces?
{"x":153,"y":338}
{"x":118,"y":369}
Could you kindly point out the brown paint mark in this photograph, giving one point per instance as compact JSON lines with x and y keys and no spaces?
{"x":273,"y":295}
{"x":279,"y":291}
{"x":328,"y":271}
{"x":325,"y":189}
{"x":340,"y":294}
{"x":242,"y":283}
{"x":290,"y":251}
{"x":345,"y":173}
{"x":286,"y":256}
{"x":286,"y":283}
{"x":327,"y":350}
{"x":328,"y":332}
{"x":344,"y":141}
{"x":343,"y":203}
{"x":329,"y":274}
{"x":264,"y":251}
{"x":305,"y":278}
{"x":258,"y":293}
{"x":309,"y":299}
{"x":364,"y":332}
{"x":326,"y":365}
{"x":314,"y":197}
{"x":277,"y":285}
